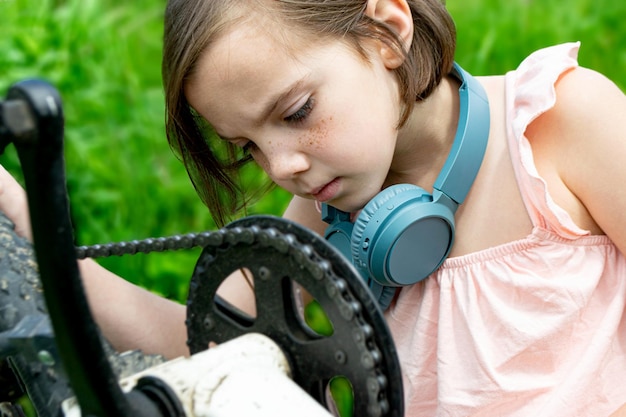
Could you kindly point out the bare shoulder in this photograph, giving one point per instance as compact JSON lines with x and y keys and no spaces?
{"x":587,"y":120}
{"x":580,"y":149}
{"x":588,"y":93}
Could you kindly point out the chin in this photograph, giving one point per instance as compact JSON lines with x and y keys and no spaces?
{"x":348,"y":207}
{"x":353,"y":203}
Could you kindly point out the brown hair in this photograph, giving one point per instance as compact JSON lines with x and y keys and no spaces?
{"x":191,"y":26}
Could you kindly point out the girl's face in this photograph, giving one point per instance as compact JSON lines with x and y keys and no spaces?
{"x":317,"y":118}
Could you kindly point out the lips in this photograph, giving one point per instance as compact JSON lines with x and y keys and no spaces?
{"x":326,"y":192}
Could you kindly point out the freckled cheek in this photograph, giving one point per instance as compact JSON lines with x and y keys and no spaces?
{"x":315,"y":139}
{"x":318,"y":136}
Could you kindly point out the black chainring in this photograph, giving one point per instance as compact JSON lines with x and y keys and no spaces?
{"x":278,"y":253}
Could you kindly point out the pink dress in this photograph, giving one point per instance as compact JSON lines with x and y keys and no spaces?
{"x":535,"y":327}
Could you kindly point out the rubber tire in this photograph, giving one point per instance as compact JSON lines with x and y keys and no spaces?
{"x":21,"y":294}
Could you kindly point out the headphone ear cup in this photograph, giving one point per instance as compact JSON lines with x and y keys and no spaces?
{"x":360,"y":237}
{"x":402,"y":236}
{"x":369,"y":211}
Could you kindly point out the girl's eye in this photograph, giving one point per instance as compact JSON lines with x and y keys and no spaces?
{"x":302,"y":113}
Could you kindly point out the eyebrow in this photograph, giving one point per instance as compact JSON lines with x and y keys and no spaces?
{"x":273,"y":104}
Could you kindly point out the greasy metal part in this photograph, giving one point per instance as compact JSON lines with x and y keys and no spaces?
{"x":274,"y":249}
{"x":278,"y":254}
{"x":240,"y":247}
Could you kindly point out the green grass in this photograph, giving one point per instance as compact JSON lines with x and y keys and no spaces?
{"x":123,"y":180}
{"x":495,"y":35}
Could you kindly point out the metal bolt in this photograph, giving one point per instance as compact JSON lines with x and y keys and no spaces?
{"x":209,"y":324}
{"x":341,"y":357}
{"x":264,"y":273}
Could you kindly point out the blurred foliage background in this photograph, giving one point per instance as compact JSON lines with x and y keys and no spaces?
{"x":123,"y":180}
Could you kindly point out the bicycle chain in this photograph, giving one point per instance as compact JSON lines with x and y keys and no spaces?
{"x":374,"y":351}
{"x":159,"y":244}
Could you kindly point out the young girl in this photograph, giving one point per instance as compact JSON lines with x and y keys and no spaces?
{"x":338,"y":100}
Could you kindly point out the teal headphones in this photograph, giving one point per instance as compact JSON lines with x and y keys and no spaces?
{"x":404,"y":233}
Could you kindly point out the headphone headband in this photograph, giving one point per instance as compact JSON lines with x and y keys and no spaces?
{"x":470,"y":141}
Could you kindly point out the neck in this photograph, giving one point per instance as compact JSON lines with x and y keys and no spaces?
{"x":425,"y":140}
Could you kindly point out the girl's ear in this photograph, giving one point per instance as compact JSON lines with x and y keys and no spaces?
{"x":397,"y":15}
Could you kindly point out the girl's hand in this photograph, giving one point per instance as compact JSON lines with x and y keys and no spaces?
{"x":13,"y":203}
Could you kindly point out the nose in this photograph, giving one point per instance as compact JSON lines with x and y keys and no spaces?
{"x":286,"y":162}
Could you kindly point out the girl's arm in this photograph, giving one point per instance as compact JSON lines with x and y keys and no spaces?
{"x":580,"y":149}
{"x":129,"y":316}
{"x":14,"y":205}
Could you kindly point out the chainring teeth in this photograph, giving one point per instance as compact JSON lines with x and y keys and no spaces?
{"x":320,"y":277}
